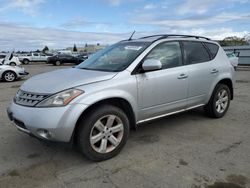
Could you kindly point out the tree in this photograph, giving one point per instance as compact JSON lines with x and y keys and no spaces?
{"x":233,"y":41}
{"x":247,"y":38}
{"x":74,"y":48}
{"x":45,"y":49}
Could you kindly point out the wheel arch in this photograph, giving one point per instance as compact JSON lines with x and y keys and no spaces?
{"x":12,"y":62}
{"x":26,"y":59}
{"x":225,"y":80}
{"x":8,"y":71}
{"x":228,"y":82}
{"x":115,"y":101}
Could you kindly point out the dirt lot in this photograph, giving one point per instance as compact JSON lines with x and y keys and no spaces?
{"x":188,"y":150}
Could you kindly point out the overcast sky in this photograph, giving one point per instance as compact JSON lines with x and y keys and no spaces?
{"x":32,"y":24}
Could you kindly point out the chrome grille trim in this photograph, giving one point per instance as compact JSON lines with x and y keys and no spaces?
{"x":28,"y":99}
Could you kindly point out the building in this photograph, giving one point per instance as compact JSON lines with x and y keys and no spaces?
{"x":90,"y":48}
{"x":243,"y":52}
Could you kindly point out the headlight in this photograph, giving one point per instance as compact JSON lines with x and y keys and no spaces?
{"x":60,"y":99}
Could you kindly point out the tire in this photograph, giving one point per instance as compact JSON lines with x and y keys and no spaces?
{"x":57,"y":63}
{"x":26,"y":61}
{"x":219,"y":101}
{"x":9,"y":76}
{"x":12,"y":64}
{"x":90,"y":127}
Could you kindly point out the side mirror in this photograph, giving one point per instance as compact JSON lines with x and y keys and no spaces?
{"x":151,"y":64}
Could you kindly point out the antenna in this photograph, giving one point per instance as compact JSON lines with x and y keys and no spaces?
{"x":130,"y":38}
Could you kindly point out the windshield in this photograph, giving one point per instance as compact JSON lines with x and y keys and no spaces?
{"x":114,"y":58}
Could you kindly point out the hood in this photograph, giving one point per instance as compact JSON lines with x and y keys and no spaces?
{"x":56,"y":81}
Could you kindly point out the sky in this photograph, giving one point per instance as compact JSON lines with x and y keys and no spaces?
{"x":32,"y":24}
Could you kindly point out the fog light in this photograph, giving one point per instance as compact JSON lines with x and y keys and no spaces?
{"x":44,"y":133}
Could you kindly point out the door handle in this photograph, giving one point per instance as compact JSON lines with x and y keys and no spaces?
{"x":214,"y":71}
{"x":182,"y":76}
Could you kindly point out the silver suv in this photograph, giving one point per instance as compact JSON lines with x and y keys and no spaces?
{"x":96,"y":103}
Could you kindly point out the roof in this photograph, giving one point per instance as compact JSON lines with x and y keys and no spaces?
{"x":153,"y":38}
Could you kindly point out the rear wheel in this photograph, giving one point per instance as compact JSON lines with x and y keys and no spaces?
{"x":57,"y":63}
{"x":219,"y":101}
{"x":103,"y":133}
{"x":9,"y":76}
{"x":12,"y":64}
{"x":26,"y":61}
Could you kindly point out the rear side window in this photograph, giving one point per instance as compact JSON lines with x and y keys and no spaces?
{"x":195,"y":52}
{"x":213,"y":48}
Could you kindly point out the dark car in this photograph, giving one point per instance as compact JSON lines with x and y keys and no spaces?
{"x":65,"y":58}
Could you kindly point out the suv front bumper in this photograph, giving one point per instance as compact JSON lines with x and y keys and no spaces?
{"x":57,"y":122}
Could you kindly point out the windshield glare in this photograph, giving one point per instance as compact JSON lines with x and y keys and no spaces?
{"x":114,"y":58}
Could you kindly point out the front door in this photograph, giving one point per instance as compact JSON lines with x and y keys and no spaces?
{"x":163,"y":91}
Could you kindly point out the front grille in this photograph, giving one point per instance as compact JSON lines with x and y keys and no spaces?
{"x":28,"y":99}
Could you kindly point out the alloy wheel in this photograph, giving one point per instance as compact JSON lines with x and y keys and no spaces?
{"x":9,"y":76}
{"x":222,"y":101}
{"x":106,"y":134}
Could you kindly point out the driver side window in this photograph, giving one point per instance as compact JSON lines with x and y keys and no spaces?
{"x":168,"y":53}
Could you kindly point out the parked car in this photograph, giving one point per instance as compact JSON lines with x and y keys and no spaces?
{"x":69,"y":52}
{"x":11,"y":60}
{"x":2,"y":56}
{"x":33,"y":57}
{"x":65,"y":58}
{"x":131,"y":82}
{"x":233,"y":59}
{"x":11,"y":73}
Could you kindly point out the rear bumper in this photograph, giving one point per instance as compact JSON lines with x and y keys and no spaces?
{"x":59,"y":122}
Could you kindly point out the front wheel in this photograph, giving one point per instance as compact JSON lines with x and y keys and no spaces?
{"x":103,"y":133}
{"x":9,"y":76}
{"x":219,"y":101}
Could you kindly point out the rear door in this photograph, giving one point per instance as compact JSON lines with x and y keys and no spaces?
{"x":63,"y":58}
{"x":35,"y":57}
{"x":202,"y":71}
{"x":42,"y":57}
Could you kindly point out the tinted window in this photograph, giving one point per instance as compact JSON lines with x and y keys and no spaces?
{"x":213,"y":48}
{"x":169,"y":54}
{"x":63,"y":55}
{"x":35,"y":54}
{"x":195,"y":52}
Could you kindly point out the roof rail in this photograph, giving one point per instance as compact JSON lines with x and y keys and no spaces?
{"x":162,"y":36}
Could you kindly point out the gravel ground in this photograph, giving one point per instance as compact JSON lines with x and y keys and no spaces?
{"x":188,"y":150}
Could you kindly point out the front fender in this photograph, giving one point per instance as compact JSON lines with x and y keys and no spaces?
{"x":124,"y":89}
